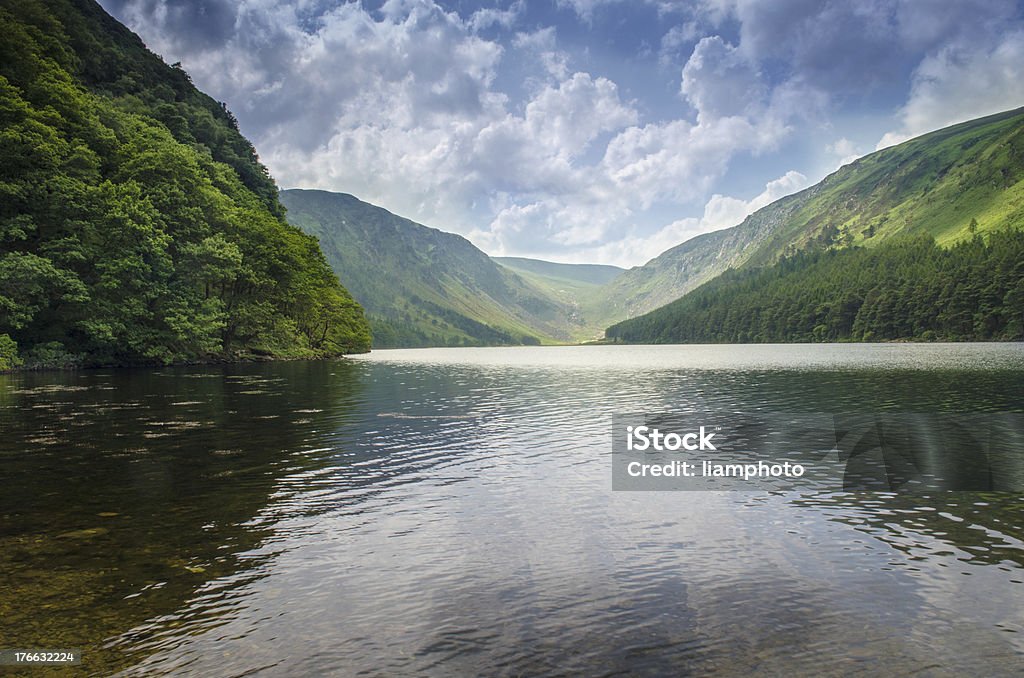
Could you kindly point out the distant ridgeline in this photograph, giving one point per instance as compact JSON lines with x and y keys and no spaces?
{"x":136,"y":223}
{"x":920,"y":241}
{"x":424,"y":287}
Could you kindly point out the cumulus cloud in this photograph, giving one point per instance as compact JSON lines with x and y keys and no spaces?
{"x":721,"y":82}
{"x":960,"y":83}
{"x":676,"y":39}
{"x":847,"y":47}
{"x":541,"y":45}
{"x":534,"y":153}
{"x":491,"y":16}
{"x":844,"y":150}
{"x":585,"y":8}
{"x":401,"y":108}
{"x":489,"y":123}
{"x":720,"y":212}
{"x":723,"y":212}
{"x":959,"y":61}
{"x":680,"y":161}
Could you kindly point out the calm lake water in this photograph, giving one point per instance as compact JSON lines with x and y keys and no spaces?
{"x":450,"y":512}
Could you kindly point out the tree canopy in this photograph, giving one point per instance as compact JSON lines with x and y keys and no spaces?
{"x":909,"y":288}
{"x":136,"y":223}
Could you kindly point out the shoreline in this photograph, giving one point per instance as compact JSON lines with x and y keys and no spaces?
{"x":248,"y":359}
{"x":240,"y":360}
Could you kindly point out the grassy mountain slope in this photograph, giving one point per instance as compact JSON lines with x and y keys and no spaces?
{"x":938,"y":184}
{"x":950,"y":184}
{"x":590,"y":274}
{"x":136,"y":223}
{"x":422,"y":286}
{"x":676,"y":271}
{"x":575,"y":285}
{"x":961,"y":187}
{"x":907,"y":288}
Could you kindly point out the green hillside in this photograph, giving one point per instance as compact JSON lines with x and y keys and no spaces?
{"x":589,"y":274}
{"x":950,"y":184}
{"x":576,"y":285}
{"x":136,"y":223}
{"x":960,"y":188}
{"x":908,"y":288}
{"x":684,"y":267}
{"x":421,"y":286}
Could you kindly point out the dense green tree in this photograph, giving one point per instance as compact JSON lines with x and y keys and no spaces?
{"x":136,"y":222}
{"x":905,"y":289}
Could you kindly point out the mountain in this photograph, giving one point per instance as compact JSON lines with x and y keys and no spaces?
{"x":425,"y":287}
{"x":136,"y":223}
{"x":587,"y":274}
{"x":916,"y":241}
{"x":909,"y":288}
{"x":684,"y":267}
{"x":940,"y":184}
{"x":578,"y":286}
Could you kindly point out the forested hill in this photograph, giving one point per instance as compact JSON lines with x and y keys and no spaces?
{"x":918,"y":241}
{"x":949,"y":184}
{"x":136,"y":223}
{"x":422,"y":286}
{"x":909,"y":288}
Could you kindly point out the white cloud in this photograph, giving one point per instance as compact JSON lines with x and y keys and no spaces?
{"x":721,"y":82}
{"x":960,"y":83}
{"x":855,"y":48}
{"x":680,"y":161}
{"x":632,"y":247}
{"x":548,"y":200}
{"x":490,"y":16}
{"x":585,"y":8}
{"x":533,"y":156}
{"x":845,"y":150}
{"x":542,"y":39}
{"x":542,"y":45}
{"x":722,"y":212}
{"x":570,"y":117}
{"x":676,"y":39}
{"x":421,"y":129}
{"x":719,"y":212}
{"x":490,"y":124}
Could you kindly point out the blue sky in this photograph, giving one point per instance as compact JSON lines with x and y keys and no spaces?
{"x":584,"y":130}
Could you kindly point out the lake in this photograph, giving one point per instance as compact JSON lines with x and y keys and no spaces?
{"x":451,"y":512}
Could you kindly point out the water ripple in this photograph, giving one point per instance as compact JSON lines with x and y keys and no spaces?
{"x":450,"y":512}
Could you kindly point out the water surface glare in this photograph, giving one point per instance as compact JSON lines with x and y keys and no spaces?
{"x":449,"y":512}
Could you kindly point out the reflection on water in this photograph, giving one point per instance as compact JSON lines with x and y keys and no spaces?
{"x":450,"y":511}
{"x":127,"y":492}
